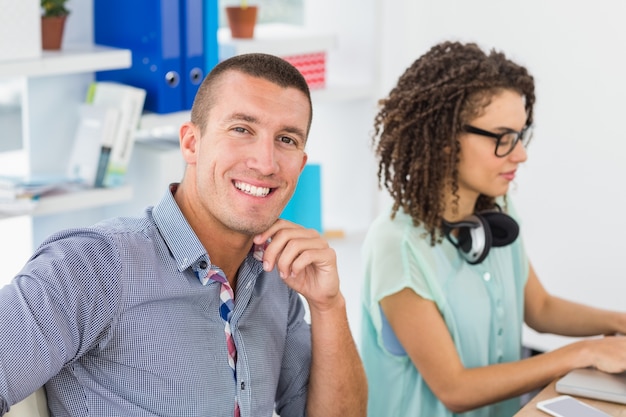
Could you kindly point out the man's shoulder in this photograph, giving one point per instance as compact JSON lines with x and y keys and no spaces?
{"x":109,"y":232}
{"x":124,"y":225}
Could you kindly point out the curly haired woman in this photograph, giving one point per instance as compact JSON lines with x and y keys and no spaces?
{"x":448,"y":283}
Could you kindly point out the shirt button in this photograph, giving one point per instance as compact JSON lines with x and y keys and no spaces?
{"x":487,"y":276}
{"x":203,"y":264}
{"x":243,"y":386}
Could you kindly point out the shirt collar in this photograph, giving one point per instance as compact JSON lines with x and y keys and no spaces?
{"x":176,"y":231}
{"x":182,"y":241}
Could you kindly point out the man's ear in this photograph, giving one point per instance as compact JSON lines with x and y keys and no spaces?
{"x":188,"y":137}
{"x":304,"y":159}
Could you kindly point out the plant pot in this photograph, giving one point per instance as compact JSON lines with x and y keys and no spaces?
{"x":52,"y":31}
{"x":241,"y":21}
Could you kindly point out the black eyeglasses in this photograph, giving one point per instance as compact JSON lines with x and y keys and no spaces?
{"x":505,"y":142}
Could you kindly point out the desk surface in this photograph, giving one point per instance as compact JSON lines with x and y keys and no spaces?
{"x":531,"y":410}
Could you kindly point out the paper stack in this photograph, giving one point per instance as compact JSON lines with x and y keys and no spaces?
{"x":21,"y":194}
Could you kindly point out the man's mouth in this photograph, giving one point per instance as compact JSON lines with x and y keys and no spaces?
{"x":252,"y":189}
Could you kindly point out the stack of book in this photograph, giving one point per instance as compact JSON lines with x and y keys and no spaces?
{"x":20,"y":194}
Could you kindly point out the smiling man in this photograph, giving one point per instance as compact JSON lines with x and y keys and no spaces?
{"x":193,"y":308}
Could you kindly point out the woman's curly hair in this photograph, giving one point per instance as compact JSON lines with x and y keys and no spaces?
{"x":417,"y":127}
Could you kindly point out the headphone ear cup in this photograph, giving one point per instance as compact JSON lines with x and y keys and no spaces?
{"x":481,"y":241}
{"x":504,"y":229}
{"x":473,"y":239}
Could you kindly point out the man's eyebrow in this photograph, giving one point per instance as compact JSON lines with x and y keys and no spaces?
{"x":295,"y":131}
{"x":243,"y":117}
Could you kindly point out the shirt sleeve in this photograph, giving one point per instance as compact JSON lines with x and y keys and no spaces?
{"x":57,"y":308}
{"x":291,"y":394}
{"x":392,"y":253}
{"x":397,"y":255}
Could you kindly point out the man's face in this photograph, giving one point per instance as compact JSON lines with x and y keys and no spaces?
{"x":249,"y":158}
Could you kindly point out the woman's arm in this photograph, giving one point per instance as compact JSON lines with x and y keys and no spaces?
{"x":546,"y":313}
{"x":422,"y":332}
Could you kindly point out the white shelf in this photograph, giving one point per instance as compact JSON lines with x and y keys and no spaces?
{"x":277,"y":39}
{"x":161,"y":126}
{"x":78,"y":200}
{"x":96,"y":197}
{"x":69,"y":60}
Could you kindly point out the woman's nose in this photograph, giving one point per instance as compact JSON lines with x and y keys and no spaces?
{"x":519,"y":153}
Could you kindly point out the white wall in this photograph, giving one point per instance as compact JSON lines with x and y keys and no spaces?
{"x":570,"y":191}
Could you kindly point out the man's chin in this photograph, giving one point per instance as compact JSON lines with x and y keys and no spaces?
{"x":252,"y":228}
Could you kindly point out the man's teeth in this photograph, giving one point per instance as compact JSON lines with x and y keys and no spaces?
{"x":252,"y":190}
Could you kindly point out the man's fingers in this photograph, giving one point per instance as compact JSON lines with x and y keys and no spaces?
{"x":298,"y":253}
{"x":287,"y":244}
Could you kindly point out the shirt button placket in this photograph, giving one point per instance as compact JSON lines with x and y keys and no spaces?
{"x":494,"y":294}
{"x":499,"y":321}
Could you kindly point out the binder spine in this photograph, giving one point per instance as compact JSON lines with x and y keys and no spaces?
{"x":153,"y":34}
{"x":192,"y":26}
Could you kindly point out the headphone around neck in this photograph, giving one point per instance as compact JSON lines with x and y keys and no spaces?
{"x":481,"y":231}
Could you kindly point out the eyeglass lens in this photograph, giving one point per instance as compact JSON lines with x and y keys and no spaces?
{"x":507,"y":142}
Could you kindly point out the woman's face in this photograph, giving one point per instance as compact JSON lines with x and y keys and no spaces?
{"x":480,"y":170}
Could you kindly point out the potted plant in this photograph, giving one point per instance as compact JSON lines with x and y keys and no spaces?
{"x":53,"y":15}
{"x":242,"y":19}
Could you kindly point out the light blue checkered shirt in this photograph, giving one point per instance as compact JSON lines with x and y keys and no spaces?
{"x":113,"y":318}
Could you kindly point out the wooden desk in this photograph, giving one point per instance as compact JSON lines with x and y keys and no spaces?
{"x":531,"y":410}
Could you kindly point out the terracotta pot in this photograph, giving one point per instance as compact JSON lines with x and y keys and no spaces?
{"x":241,"y":21}
{"x":52,"y":32}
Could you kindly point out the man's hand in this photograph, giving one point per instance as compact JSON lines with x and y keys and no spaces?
{"x":305,"y":261}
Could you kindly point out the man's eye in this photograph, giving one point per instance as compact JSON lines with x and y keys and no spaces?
{"x":287,"y":140}
{"x":240,"y":130}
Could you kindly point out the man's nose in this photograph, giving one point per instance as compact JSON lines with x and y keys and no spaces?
{"x":263,"y":156}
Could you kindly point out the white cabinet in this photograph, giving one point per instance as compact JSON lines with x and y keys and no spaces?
{"x":39,"y":102}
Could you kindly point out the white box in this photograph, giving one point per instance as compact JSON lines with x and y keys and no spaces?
{"x":20,"y":29}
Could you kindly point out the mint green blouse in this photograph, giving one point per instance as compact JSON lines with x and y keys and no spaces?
{"x":482,"y":306}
